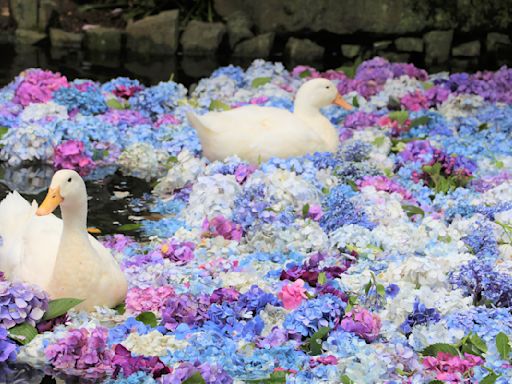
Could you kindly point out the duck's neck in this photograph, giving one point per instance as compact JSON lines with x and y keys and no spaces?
{"x":311,"y":115}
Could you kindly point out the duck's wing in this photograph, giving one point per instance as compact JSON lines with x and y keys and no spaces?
{"x":29,"y":243}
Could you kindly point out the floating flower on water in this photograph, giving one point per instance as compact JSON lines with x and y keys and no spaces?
{"x":126,"y":364}
{"x":21,"y":303}
{"x":363,"y":323}
{"x":7,"y":347}
{"x":71,"y":155}
{"x":184,"y":309}
{"x":292,"y":294}
{"x":148,"y":299}
{"x":180,"y":253}
{"x":82,"y":352}
{"x":38,"y":86}
{"x":453,"y":369}
{"x":220,"y":226}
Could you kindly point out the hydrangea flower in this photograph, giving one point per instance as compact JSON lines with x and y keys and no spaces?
{"x":292,"y":294}
{"x":21,"y":303}
{"x":38,"y":86}
{"x":7,"y":347}
{"x":71,"y":155}
{"x":148,"y":299}
{"x":363,"y":323}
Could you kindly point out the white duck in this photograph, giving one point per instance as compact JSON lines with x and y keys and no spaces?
{"x":256,"y":133}
{"x":59,"y":255}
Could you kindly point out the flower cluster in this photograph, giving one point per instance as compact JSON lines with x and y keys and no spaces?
{"x":363,"y":323}
{"x":21,"y":303}
{"x":71,"y":155}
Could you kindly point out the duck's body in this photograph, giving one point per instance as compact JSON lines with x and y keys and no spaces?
{"x":256,"y":133}
{"x":58,"y":255}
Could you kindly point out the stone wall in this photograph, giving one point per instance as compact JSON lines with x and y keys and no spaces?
{"x":431,"y":32}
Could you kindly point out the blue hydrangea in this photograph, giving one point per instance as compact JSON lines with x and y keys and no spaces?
{"x":159,"y":99}
{"x":339,"y":210}
{"x":119,"y":333}
{"x":322,"y":311}
{"x":233,"y":72}
{"x":482,"y":242}
{"x":88,"y":102}
{"x":420,"y":315}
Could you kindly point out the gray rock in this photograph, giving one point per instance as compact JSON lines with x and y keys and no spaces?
{"x":395,"y":57}
{"x":350,"y":50}
{"x":25,"y":13}
{"x":437,"y":46}
{"x":495,"y":40}
{"x":379,"y":45}
{"x":239,"y":27}
{"x":257,"y":47}
{"x":343,"y":17}
{"x":47,"y":8}
{"x":24,"y":36}
{"x":409,"y":44}
{"x":200,"y":38}
{"x":63,"y":39}
{"x":471,"y":48}
{"x":103,"y":39}
{"x":463,"y":65}
{"x":303,"y":49}
{"x":154,"y":34}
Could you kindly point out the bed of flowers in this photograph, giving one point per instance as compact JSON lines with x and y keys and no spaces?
{"x":389,"y":261}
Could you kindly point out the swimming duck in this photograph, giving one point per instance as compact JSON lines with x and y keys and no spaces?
{"x":256,"y":133}
{"x":59,"y":255}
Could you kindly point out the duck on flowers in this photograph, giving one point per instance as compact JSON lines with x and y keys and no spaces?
{"x":256,"y":133}
{"x":59,"y":255}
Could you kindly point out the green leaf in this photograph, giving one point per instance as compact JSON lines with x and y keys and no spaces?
{"x":400,"y":116}
{"x":346,"y":380}
{"x":315,"y":343}
{"x":23,"y":333}
{"x":217,"y":104}
{"x":121,"y":308}
{"x":305,"y":74}
{"x":355,"y":102}
{"x":393,"y":103}
{"x":3,"y":131}
{"x":277,"y":377}
{"x":148,"y":318}
{"x":129,"y":227}
{"x":482,"y":126}
{"x":322,"y":278}
{"x":115,"y":104}
{"x":490,"y":378}
{"x":352,"y":300}
{"x":427,"y":85}
{"x":423,"y":120}
{"x":259,"y":81}
{"x":478,"y":342}
{"x":367,"y":287}
{"x":436,"y":382}
{"x":58,"y":307}
{"x":196,"y":378}
{"x":379,"y":141}
{"x":353,"y":185}
{"x":412,"y":210}
{"x":305,"y":210}
{"x":503,"y":345}
{"x":381,"y":291}
{"x":434,"y":349}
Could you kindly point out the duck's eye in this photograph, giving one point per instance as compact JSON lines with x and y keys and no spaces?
{"x":327,"y":87}
{"x":69,"y":180}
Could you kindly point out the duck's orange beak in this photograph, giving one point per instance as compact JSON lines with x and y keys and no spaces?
{"x":50,"y":203}
{"x":338,"y":100}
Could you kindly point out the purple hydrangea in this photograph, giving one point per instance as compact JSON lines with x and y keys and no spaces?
{"x":82,"y":352}
{"x":254,"y":300}
{"x":179,"y":252}
{"x":363,"y":323}
{"x":7,"y":347}
{"x":211,"y":374}
{"x":127,"y":364}
{"x":21,"y":303}
{"x":478,"y":279}
{"x":185,"y":309}
{"x":420,"y":315}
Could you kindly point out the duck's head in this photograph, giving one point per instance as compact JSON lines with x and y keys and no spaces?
{"x":320,"y":93}
{"x":67,"y":189}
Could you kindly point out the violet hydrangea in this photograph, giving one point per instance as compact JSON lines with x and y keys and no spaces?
{"x":21,"y":303}
{"x":363,"y":323}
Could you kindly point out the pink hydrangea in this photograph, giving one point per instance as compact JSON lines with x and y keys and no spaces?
{"x":127,"y":364}
{"x":220,"y":226}
{"x":167,"y":120}
{"x":38,"y":86}
{"x":363,"y":323}
{"x":415,"y":101}
{"x":179,"y":252}
{"x":118,"y":242}
{"x":82,"y":352}
{"x":305,"y":71}
{"x":292,"y":294}
{"x":148,"y":299}
{"x":315,"y":212}
{"x":243,"y":171}
{"x":451,"y":369}
{"x":395,"y":126}
{"x":382,"y":183}
{"x":71,"y":155}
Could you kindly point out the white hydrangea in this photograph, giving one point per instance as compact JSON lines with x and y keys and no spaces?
{"x":426,"y":334}
{"x":402,"y":237}
{"x":48,"y":110}
{"x":462,"y":105}
{"x":186,"y":170}
{"x":396,"y":88}
{"x":381,"y":207}
{"x":242,"y":281}
{"x":272,"y":317}
{"x":143,"y":161}
{"x":153,"y":344}
{"x":211,"y":196}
